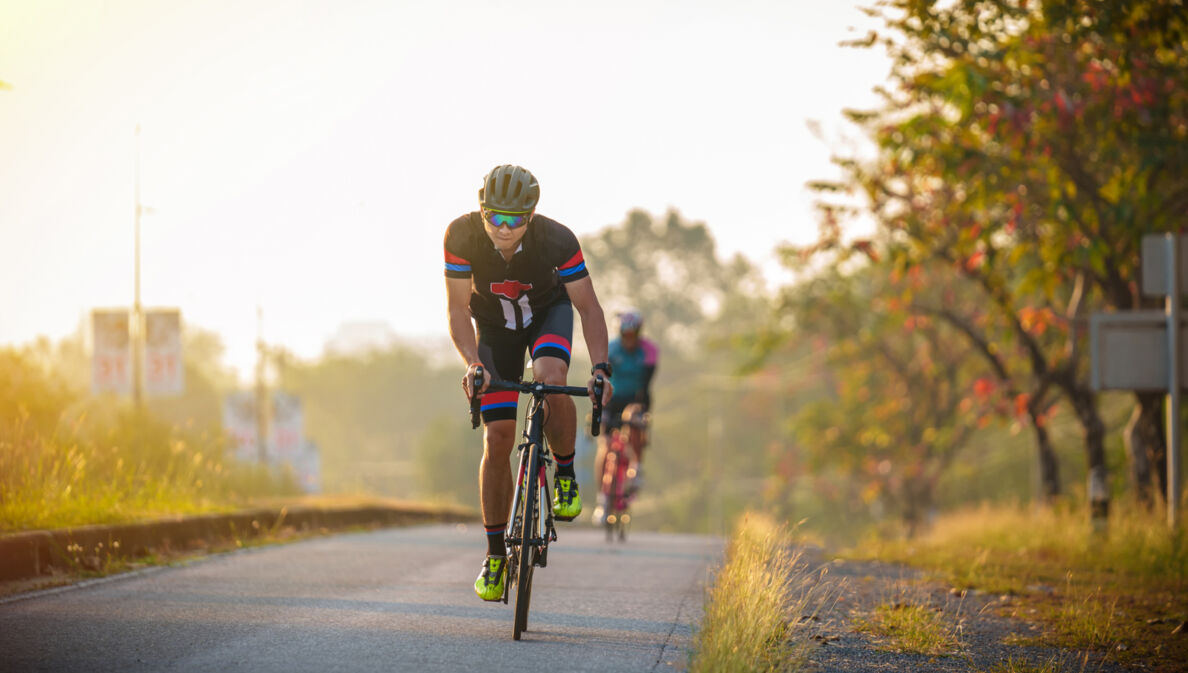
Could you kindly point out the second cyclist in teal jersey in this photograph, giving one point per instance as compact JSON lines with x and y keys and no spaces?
{"x":634,"y":359}
{"x":513,"y":281}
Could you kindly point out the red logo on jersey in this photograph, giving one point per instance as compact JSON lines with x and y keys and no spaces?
{"x":512,"y":289}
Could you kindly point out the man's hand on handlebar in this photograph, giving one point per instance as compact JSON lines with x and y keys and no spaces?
{"x":607,"y":388}
{"x":468,"y":378}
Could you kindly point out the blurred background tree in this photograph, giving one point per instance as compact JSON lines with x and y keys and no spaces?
{"x":1029,"y":146}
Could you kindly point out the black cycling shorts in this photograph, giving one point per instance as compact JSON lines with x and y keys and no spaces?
{"x":502,"y":350}
{"x":612,"y":413}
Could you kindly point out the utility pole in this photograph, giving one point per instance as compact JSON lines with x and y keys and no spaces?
{"x":1173,"y":309}
{"x":262,"y":407}
{"x":137,"y":311}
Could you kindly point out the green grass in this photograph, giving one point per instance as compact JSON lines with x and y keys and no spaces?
{"x":754,"y":608}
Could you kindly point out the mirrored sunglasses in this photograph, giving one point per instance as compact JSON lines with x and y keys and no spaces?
{"x":510,"y":220}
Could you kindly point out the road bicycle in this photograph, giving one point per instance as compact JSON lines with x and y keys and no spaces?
{"x":530,"y":527}
{"x":618,"y":485}
{"x":614,"y":489}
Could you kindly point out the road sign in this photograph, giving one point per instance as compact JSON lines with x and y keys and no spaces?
{"x":1132,"y":351}
{"x":1155,"y":264}
{"x":1129,"y":351}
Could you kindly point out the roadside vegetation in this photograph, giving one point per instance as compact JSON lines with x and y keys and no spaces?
{"x":1020,"y":666}
{"x":1125,"y":593}
{"x":910,"y":627}
{"x":70,"y":460}
{"x":758,"y":601}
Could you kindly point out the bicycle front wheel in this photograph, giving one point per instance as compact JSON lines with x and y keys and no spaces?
{"x":528,"y":523}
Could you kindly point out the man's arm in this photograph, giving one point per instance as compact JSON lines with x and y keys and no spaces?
{"x":651,"y":360}
{"x":581,"y":293}
{"x":461,"y":327}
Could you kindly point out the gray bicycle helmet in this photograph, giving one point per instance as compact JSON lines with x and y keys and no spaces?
{"x":509,"y":188}
{"x":630,"y":320}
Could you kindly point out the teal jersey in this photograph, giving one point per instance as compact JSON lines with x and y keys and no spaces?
{"x":632,"y":369}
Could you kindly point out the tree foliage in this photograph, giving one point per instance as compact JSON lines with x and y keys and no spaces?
{"x":668,"y":268}
{"x":1028,"y":147}
{"x":905,"y":397}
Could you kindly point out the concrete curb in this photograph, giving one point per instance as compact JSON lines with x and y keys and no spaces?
{"x":34,"y":553}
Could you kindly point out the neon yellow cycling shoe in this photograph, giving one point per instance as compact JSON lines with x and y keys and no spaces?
{"x":567,"y":502}
{"x":489,"y":585}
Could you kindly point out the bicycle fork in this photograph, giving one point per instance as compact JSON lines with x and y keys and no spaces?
{"x":546,"y":531}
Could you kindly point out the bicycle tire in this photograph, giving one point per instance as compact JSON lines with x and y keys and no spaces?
{"x":610,"y":466}
{"x":533,"y":560}
{"x":528,"y":526}
{"x":528,"y":588}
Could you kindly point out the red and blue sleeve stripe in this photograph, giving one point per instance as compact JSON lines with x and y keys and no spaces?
{"x":575,"y":265}
{"x":455,"y":263}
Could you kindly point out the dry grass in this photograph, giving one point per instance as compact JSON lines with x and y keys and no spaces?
{"x":1021,"y":666}
{"x":70,"y":460}
{"x":1122,"y":593}
{"x":908,"y":627}
{"x":756,"y":604}
{"x":72,"y":478}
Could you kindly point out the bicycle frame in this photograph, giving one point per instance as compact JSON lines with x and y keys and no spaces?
{"x":614,"y":486}
{"x":528,"y":532}
{"x":534,"y":458}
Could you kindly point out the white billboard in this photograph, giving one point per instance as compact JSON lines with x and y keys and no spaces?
{"x":239,"y":424}
{"x":285,"y":431}
{"x":163,"y":370}
{"x":285,"y":441}
{"x":111,"y":353}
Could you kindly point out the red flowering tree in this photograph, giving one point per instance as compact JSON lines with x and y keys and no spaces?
{"x":1029,"y":146}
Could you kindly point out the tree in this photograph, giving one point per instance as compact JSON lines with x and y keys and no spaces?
{"x":368,"y":414}
{"x":1030,"y":146}
{"x":906,"y":396}
{"x":714,"y":426}
{"x":668,"y":268}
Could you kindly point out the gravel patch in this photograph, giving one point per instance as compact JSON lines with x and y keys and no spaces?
{"x":847,"y":590}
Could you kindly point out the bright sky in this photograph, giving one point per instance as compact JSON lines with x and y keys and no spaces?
{"x":307,"y":156}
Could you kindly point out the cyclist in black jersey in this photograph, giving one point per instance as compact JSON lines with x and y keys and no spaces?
{"x":519,"y":276}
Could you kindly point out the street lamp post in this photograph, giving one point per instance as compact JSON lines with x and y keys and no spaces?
{"x":137,"y":310}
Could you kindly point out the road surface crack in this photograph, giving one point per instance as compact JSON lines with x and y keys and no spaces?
{"x":668,"y":638}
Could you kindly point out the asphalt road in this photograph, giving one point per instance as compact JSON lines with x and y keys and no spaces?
{"x":391,"y":600}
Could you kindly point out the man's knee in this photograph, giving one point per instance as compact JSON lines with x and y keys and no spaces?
{"x":552,"y":371}
{"x":498,"y":437}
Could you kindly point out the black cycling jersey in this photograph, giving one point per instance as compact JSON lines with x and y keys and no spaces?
{"x":509,"y":294}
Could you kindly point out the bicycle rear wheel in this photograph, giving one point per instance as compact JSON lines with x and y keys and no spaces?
{"x":527,"y":549}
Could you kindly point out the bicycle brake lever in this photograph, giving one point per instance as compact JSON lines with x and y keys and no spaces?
{"x":596,"y":415}
{"x":475,"y":384}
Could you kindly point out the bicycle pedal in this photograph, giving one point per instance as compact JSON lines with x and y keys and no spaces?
{"x":542,"y":559}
